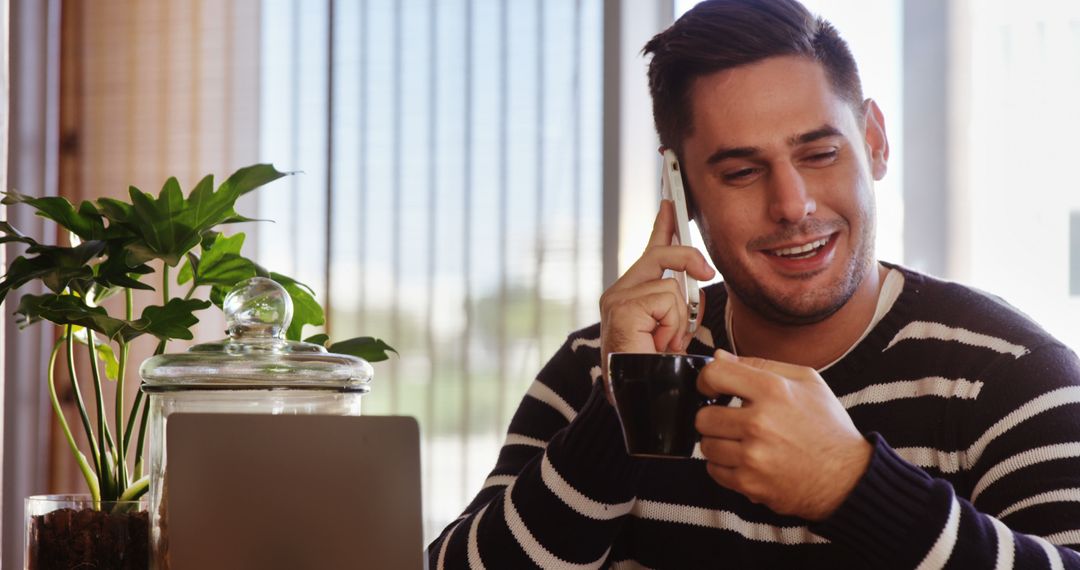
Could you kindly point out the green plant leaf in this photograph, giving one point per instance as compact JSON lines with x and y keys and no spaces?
{"x":212,"y":208}
{"x":171,"y":321}
{"x":164,"y":230}
{"x":57,"y":267}
{"x":68,"y":263}
{"x":187,"y":271}
{"x":168,"y":226}
{"x":116,"y":211}
{"x":251,"y":177}
{"x":319,"y":339}
{"x":366,"y":347}
{"x":306,"y":310}
{"x":115,"y":272}
{"x":98,"y":294}
{"x":222,"y":263}
{"x":13,"y":235}
{"x":66,"y":309}
{"x":217,"y":295}
{"x":86,"y":223}
{"x":242,"y":219}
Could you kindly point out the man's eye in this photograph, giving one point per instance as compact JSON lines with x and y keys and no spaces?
{"x":823,"y":157}
{"x":739,"y":175}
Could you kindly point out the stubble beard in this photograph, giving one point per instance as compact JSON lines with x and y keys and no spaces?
{"x":803,"y":308}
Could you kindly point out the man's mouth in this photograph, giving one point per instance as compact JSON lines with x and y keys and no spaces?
{"x":804,"y":251}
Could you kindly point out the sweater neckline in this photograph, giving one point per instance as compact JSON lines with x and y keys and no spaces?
{"x":872,"y":343}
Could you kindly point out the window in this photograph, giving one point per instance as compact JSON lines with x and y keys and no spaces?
{"x":463,"y":158}
{"x":1015,"y":192}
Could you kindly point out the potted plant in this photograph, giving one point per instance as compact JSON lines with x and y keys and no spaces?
{"x":114,"y":245}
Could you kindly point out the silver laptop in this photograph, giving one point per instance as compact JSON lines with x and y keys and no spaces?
{"x":265,"y":492}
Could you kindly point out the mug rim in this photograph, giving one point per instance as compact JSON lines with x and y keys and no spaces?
{"x":663,"y":355}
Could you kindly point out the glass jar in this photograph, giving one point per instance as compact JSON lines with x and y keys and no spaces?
{"x":253,"y":371}
{"x":75,"y":531}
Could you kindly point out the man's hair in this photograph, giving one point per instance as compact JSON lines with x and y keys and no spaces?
{"x":721,"y":34}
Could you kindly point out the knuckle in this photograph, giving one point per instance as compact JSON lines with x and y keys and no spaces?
{"x":720,"y":475}
{"x":752,"y":488}
{"x":776,"y":388}
{"x":756,"y":426}
{"x":754,"y":456}
{"x":608,"y":299}
{"x":707,"y":446}
{"x":704,"y":420}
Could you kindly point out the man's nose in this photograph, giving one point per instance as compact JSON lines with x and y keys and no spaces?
{"x":789,"y":201}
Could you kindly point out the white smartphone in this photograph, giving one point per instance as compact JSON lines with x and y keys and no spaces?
{"x":671,"y":188}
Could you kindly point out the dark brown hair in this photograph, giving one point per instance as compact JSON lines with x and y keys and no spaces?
{"x":721,"y":34}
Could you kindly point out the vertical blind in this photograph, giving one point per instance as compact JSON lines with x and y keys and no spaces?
{"x":450,"y":201}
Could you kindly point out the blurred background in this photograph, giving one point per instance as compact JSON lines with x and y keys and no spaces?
{"x":475,"y":172}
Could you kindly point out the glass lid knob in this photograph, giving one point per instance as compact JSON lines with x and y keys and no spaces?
{"x":258,"y":307}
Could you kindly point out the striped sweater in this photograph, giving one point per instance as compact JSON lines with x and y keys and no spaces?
{"x":973,"y":412}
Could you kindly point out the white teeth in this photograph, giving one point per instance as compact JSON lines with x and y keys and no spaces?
{"x":792,"y":251}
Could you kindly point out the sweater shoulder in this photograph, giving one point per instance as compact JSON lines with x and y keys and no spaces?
{"x":947,"y":307}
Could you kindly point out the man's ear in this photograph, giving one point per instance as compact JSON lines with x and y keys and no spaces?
{"x":877,"y":143}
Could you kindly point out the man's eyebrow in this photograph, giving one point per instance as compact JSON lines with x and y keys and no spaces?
{"x":819,"y":133}
{"x":725,"y":153}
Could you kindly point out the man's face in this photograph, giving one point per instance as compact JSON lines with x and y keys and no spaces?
{"x":781,"y":171}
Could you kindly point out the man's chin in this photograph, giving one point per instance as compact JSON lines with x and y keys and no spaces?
{"x":806,"y":304}
{"x":799,"y":314}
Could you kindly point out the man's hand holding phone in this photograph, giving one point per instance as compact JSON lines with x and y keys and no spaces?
{"x":645,"y":312}
{"x":671,"y":188}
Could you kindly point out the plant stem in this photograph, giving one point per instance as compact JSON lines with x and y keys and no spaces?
{"x":142,"y":437}
{"x":118,"y":410}
{"x":87,"y":472}
{"x":132,"y":418}
{"x":137,"y":489}
{"x":164,"y":283}
{"x":70,"y":336}
{"x":105,"y":443}
{"x":164,"y":301}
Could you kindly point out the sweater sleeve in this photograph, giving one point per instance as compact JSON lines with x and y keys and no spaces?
{"x":561,"y":486}
{"x":1017,"y":503}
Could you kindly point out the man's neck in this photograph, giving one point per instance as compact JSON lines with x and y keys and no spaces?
{"x":814,"y":345}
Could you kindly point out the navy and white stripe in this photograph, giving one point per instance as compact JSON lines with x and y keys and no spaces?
{"x":975,"y":415}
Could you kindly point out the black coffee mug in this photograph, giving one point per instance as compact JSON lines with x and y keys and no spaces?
{"x":656,"y":398}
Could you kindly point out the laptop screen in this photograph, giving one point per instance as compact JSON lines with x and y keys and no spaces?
{"x":267,"y":492}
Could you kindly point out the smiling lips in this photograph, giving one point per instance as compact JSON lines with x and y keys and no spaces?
{"x":805,"y":251}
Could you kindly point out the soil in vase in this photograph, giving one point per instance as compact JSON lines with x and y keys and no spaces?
{"x":89,"y":539}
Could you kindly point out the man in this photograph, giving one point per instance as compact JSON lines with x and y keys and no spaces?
{"x":882,"y":417}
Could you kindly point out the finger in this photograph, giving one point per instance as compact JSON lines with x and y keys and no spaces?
{"x":688,"y":336}
{"x":721,"y":421}
{"x":664,"y":225}
{"x":667,"y":285}
{"x":724,"y":476}
{"x":728,"y":375}
{"x":622,"y":300}
{"x":722,"y":452}
{"x":652,"y":264}
{"x":654,"y":314}
{"x":787,"y":370}
{"x":677,"y":343}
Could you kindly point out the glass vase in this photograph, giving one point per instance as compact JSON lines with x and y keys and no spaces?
{"x":74,"y":531}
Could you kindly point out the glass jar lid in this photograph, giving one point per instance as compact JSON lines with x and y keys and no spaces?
{"x":256,"y":355}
